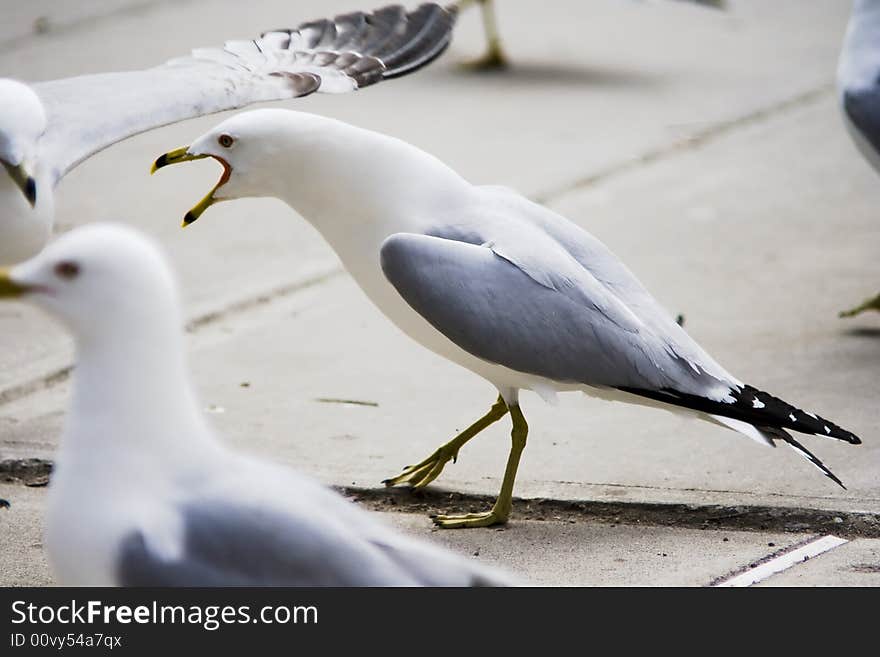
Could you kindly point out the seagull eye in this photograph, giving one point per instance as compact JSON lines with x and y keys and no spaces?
{"x":226,"y":140}
{"x":67,"y":270}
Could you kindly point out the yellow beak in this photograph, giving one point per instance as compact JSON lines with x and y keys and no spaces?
{"x":176,"y":156}
{"x":183,"y":155}
{"x":9,"y":289}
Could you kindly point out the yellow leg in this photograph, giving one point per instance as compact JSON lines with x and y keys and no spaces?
{"x":422,"y":474}
{"x":494,"y":59}
{"x":500,"y":511}
{"x":870,"y":304}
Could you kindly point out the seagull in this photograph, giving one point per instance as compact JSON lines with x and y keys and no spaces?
{"x":487,"y":279}
{"x":47,"y":128}
{"x":143,"y":493}
{"x":858,"y":85}
{"x":494,"y":58}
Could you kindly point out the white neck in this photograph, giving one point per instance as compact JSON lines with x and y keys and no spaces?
{"x":341,"y":179}
{"x":133,"y":408}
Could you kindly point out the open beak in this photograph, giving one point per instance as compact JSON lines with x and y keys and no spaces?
{"x":24,"y":180}
{"x":9,"y":289}
{"x":183,"y":155}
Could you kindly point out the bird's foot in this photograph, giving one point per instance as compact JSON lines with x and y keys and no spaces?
{"x":422,"y":474}
{"x":468,"y":520}
{"x":871,"y":304}
{"x":493,"y":60}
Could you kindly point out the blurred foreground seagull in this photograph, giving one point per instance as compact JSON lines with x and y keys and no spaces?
{"x":143,"y":494}
{"x":858,"y":84}
{"x":487,"y":279}
{"x":47,"y":128}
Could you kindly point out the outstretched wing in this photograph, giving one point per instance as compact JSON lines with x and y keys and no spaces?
{"x":88,"y":113}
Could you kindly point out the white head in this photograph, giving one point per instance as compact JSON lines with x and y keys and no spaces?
{"x":106,"y":282}
{"x":262,"y":152}
{"x":26,"y":199}
{"x":331,"y":172}
{"x":22,"y":123}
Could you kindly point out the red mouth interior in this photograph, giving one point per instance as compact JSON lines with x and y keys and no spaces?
{"x":227,"y":171}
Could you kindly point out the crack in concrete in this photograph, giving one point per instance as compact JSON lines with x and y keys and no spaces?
{"x":688,"y":144}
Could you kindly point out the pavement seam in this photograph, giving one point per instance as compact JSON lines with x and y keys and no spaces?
{"x":62,"y":374}
{"x":694,"y":489}
{"x":36,"y":472}
{"x":687,"y":144}
{"x":779,"y":561}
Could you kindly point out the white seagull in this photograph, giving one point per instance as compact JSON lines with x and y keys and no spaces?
{"x":858,"y":84}
{"x":486,"y":278}
{"x":143,"y":494}
{"x":47,"y":128}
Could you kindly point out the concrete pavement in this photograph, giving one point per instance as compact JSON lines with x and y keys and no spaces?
{"x":704,"y":148}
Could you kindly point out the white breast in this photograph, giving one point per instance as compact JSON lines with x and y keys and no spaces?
{"x":24,"y":230}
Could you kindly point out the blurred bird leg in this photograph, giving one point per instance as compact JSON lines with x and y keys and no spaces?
{"x":494,"y":58}
{"x":870,"y":304}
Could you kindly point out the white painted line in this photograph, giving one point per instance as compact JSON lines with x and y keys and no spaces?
{"x":783,"y":562}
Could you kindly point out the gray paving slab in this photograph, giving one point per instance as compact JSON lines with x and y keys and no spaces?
{"x":22,"y":560}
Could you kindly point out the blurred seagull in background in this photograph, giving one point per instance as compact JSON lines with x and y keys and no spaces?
{"x":484,"y":277}
{"x":858,"y":84}
{"x":143,"y":493}
{"x":47,"y":128}
{"x":494,"y":58}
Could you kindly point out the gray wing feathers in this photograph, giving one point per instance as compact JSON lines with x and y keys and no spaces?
{"x":229,"y":545}
{"x":493,"y":309}
{"x":89,"y":113}
{"x":401,"y":42}
{"x":608,"y":270}
{"x":862,"y":106}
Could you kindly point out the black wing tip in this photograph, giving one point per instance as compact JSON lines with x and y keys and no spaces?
{"x":812,"y":458}
{"x":776,"y":412}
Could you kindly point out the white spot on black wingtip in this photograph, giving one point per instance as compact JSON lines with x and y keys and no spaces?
{"x":827,"y":430}
{"x":792,"y":417}
{"x":757,"y":403}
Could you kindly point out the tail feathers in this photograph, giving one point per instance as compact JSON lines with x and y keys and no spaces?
{"x":807,"y":454}
{"x":784,"y":415}
{"x":754,"y":407}
{"x":746,"y":429}
{"x":766,"y":436}
{"x":761,"y":417}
